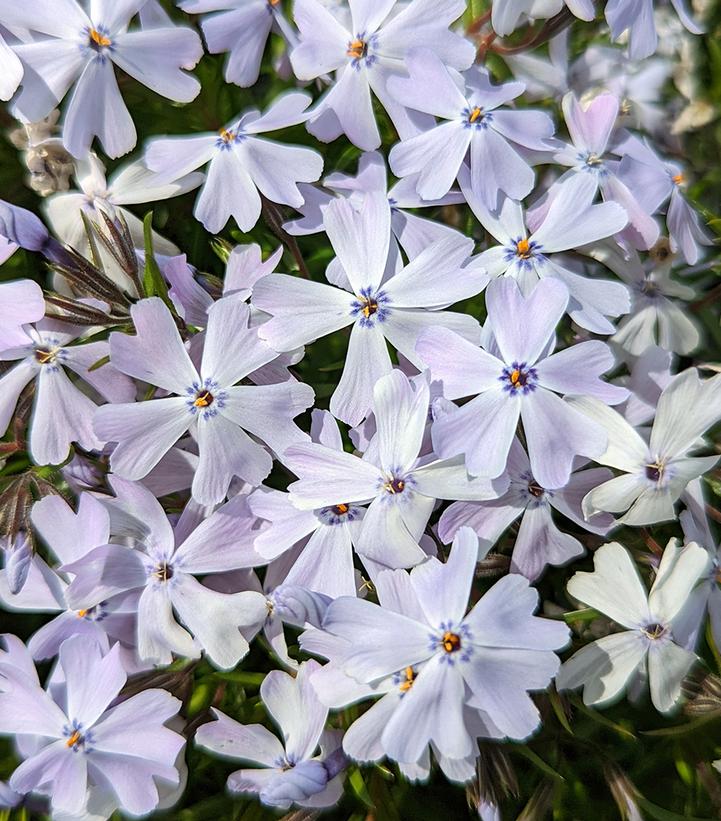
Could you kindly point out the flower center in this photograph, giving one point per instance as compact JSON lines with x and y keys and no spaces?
{"x":357,"y":49}
{"x":203,"y":399}
{"x":475,"y":114}
{"x":655,"y":471}
{"x":226,"y":136}
{"x":679,"y":179}
{"x":519,"y":377}
{"x":163,"y":572}
{"x":97,"y":39}
{"x":654,"y":631}
{"x":409,"y":676}
{"x":451,"y":642}
{"x":74,"y":739}
{"x":46,"y":357}
{"x":341,"y":509}
{"x":394,"y":485}
{"x":524,"y":249}
{"x":535,"y":489}
{"x":594,"y":160}
{"x":369,"y":306}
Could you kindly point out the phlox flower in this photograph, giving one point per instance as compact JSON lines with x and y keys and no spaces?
{"x":77,"y":739}
{"x":637,"y":18}
{"x":242,"y":164}
{"x":516,"y":375}
{"x":656,"y":316}
{"x":379,"y":305}
{"x":365,"y":54}
{"x":474,"y":125}
{"x":69,"y":536}
{"x":706,"y":596}
{"x":242,"y":28}
{"x":21,"y":302}
{"x":661,"y":183}
{"x":507,"y":14}
{"x":654,"y":473}
{"x":291,"y":772}
{"x":647,"y":648}
{"x":325,"y":563}
{"x":593,"y":151}
{"x":161,"y":564}
{"x":448,"y":663}
{"x":401,"y":488}
{"x":209,"y":402}
{"x":412,"y":232}
{"x":539,"y":541}
{"x":572,"y":221}
{"x":62,"y":413}
{"x":131,"y":185}
{"x":75,"y":45}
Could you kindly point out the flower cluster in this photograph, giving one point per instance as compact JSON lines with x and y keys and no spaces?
{"x":185,"y":486}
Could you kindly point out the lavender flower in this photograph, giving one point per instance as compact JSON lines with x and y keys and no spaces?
{"x":570,"y":222}
{"x":647,"y":648}
{"x":514,"y":377}
{"x":291,"y":772}
{"x":485,"y":660}
{"x":473,"y":125}
{"x":209,"y":401}
{"x":654,"y":473}
{"x":81,"y":740}
{"x":380,"y":307}
{"x":401,"y":488}
{"x":636,"y":17}
{"x":161,"y":565}
{"x":365,"y":55}
{"x":62,"y":413}
{"x":242,"y":28}
{"x":243,"y":165}
{"x":539,"y":541}
{"x":83,"y":47}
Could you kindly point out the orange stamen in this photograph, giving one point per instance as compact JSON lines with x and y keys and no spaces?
{"x":451,"y":642}
{"x":73,"y":740}
{"x":100,"y":39}
{"x":356,"y":49}
{"x":475,"y":114}
{"x":410,"y":678}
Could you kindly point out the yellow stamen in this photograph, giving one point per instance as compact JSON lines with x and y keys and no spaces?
{"x":679,"y":179}
{"x":451,"y":642}
{"x":475,"y":114}
{"x":82,"y":613}
{"x":73,"y":740}
{"x":410,"y":678}
{"x":523,"y":248}
{"x":356,"y":49}
{"x":515,"y":377}
{"x":274,"y":2}
{"x":203,"y":400}
{"x":100,"y":39}
{"x":395,"y":486}
{"x":341,"y":508}
{"x":43,"y":357}
{"x":226,"y":136}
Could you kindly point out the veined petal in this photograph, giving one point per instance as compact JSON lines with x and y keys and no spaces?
{"x":301,"y":311}
{"x":250,"y":742}
{"x":86,"y":118}
{"x":614,"y":588}
{"x":156,"y":57}
{"x":366,"y":362}
{"x":328,"y":477}
{"x":144,"y":432}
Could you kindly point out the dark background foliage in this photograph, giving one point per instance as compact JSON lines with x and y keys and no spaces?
{"x":583,"y":763}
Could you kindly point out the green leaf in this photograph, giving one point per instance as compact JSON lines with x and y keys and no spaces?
{"x":587,"y":614}
{"x":555,"y":700}
{"x":660,"y":814}
{"x":359,"y":788}
{"x":600,"y":719}
{"x":536,"y":759}
{"x":153,"y":281}
{"x":99,"y":364}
